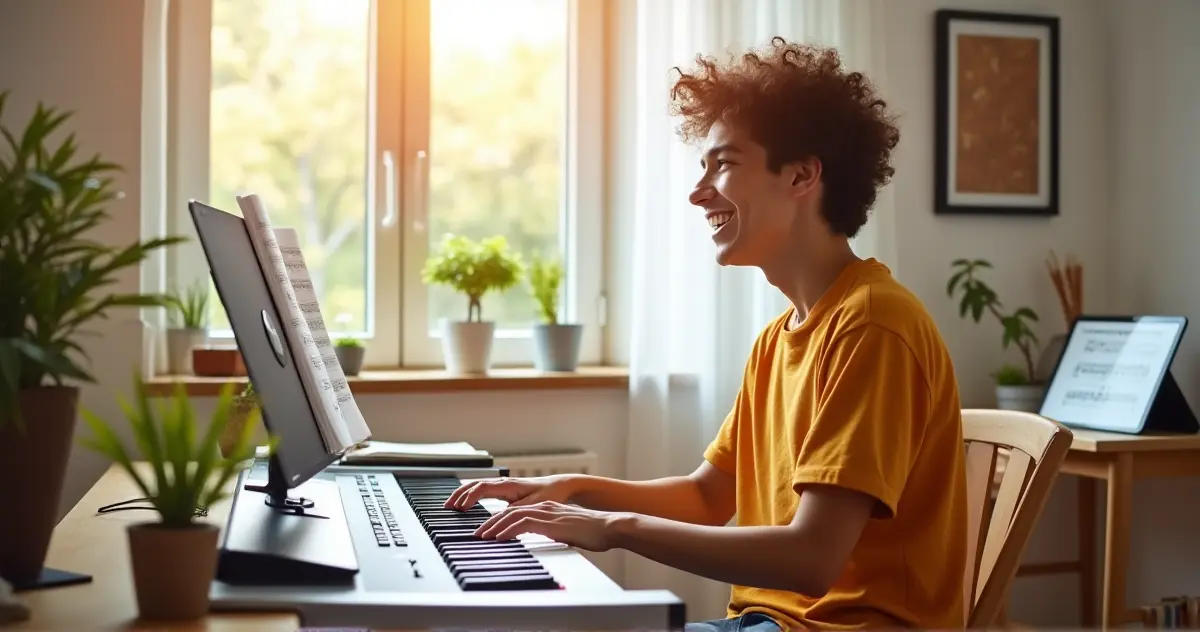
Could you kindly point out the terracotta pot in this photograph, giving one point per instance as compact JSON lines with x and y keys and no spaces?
{"x":173,"y":569}
{"x":33,"y":464}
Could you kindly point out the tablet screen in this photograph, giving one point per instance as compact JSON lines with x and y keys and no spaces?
{"x":1110,"y":370}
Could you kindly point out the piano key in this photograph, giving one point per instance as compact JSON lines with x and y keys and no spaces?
{"x":536,"y":582}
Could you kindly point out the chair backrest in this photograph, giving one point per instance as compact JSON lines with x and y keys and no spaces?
{"x":1031,"y":449}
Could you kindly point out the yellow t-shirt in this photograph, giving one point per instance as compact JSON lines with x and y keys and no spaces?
{"x":862,"y":394}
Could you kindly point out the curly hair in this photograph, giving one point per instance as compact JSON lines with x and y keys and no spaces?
{"x":797,"y":102}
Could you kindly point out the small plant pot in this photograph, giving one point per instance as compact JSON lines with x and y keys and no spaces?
{"x":173,"y":569}
{"x":180,"y":343}
{"x":467,"y":346}
{"x":556,"y":346}
{"x":351,"y":359}
{"x":218,"y":362}
{"x":1023,"y":397}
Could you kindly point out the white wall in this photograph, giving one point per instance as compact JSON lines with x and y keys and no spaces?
{"x":1154,"y":158}
{"x":1129,"y":146}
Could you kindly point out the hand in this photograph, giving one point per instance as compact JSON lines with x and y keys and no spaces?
{"x":569,"y":524}
{"x":517,"y":491}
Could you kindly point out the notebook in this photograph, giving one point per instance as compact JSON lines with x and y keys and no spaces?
{"x":278,"y":250}
{"x":452,"y":454}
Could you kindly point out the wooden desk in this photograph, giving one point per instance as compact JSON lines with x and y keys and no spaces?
{"x":96,"y":544}
{"x":1118,"y":459}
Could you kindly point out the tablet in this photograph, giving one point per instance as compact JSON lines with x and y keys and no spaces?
{"x":1110,"y":371}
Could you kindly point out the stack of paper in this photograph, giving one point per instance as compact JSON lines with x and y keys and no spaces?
{"x":455,"y":454}
{"x":278,"y":250}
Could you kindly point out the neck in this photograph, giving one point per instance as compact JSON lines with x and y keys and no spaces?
{"x":806,"y":278}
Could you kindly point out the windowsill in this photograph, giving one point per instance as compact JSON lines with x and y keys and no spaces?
{"x":425,"y":381}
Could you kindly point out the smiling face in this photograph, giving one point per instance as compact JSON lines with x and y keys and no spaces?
{"x":757,"y":215}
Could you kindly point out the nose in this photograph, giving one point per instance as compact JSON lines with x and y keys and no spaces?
{"x":702,"y":194}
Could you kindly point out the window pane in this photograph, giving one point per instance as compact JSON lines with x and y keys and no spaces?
{"x":498,"y":97}
{"x":289,"y":123}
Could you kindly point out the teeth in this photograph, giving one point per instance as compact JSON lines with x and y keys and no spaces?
{"x":718,"y":220}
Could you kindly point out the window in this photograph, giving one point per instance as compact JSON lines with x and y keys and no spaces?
{"x":374,"y":127}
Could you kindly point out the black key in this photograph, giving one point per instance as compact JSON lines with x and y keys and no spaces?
{"x":513,"y":566}
{"x":489,"y":545}
{"x":454,"y":536}
{"x":534,"y":572}
{"x":498,"y":555}
{"x":536,"y":582}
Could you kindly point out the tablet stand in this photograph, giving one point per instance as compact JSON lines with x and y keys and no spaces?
{"x":1170,"y":412}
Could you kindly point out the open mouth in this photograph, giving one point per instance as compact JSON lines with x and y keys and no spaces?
{"x":717,"y":220}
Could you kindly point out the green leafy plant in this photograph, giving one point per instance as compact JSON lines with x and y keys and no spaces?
{"x":978,"y":297}
{"x":1010,"y":375}
{"x":54,"y":275}
{"x":473,"y":268}
{"x":347,"y":341}
{"x":185,"y":473}
{"x":248,"y":391}
{"x":545,"y":277}
{"x":190,"y":306}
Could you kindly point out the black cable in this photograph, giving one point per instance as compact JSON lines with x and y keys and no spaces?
{"x":128,"y":505}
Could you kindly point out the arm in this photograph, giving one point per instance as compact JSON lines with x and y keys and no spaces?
{"x":706,"y":496}
{"x":805,"y":556}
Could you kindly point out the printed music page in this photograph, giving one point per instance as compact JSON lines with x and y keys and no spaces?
{"x":306,"y":296}
{"x":305,"y":352}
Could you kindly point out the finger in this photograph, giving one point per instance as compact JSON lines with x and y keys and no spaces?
{"x":500,"y":521}
{"x":528,"y":524}
{"x":456,"y":495}
{"x":485,"y":489}
{"x":525,"y":501}
{"x":461,"y":498}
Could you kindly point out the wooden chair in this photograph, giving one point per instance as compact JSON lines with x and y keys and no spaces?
{"x":1032,"y":448}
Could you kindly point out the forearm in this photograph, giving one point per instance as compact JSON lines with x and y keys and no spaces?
{"x":769,"y":557}
{"x":675,"y":498}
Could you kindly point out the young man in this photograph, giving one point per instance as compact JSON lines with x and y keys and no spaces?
{"x":842,"y":456}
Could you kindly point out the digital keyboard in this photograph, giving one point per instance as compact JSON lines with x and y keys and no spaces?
{"x":380,"y":550}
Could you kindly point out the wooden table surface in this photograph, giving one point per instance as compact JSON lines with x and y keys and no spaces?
{"x":85,"y":542}
{"x":1117,"y":459}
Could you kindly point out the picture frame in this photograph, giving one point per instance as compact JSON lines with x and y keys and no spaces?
{"x":996,"y":114}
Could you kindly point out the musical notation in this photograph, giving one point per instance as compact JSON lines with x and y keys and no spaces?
{"x":1109,"y":369}
{"x":341,"y":423}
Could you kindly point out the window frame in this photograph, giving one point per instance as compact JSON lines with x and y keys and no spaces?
{"x":399,"y":336}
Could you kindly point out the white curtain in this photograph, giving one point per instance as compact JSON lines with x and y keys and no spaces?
{"x":693,"y":321}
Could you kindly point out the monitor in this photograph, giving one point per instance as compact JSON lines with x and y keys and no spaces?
{"x":1111,"y":370}
{"x":287,"y":414}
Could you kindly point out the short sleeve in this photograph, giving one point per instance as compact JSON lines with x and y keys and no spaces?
{"x":722,"y":451}
{"x":872,"y":409}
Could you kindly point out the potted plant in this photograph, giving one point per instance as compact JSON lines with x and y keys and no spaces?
{"x":473,"y":269}
{"x":556,"y":345}
{"x":189,"y":328}
{"x":350,"y":353}
{"x":56,"y":281}
{"x":174,"y":558}
{"x":1017,"y":387}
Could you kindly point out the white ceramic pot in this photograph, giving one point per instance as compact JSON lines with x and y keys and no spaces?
{"x":180,"y":343}
{"x":467,"y":346}
{"x":1023,"y":397}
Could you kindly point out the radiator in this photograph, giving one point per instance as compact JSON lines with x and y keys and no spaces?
{"x":546,"y":463}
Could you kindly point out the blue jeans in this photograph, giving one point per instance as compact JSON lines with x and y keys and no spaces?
{"x":751,"y":622}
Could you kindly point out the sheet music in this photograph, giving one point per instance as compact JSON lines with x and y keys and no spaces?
{"x":311,"y":366}
{"x":303,"y":293}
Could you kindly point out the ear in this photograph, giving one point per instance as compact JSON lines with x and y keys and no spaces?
{"x":805,"y":175}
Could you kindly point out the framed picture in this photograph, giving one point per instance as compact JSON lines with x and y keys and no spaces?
{"x":996,"y":114}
